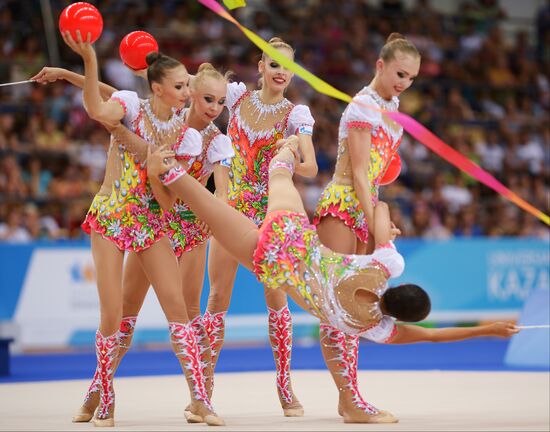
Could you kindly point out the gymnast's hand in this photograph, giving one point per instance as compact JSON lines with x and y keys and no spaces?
{"x":394,"y":231}
{"x":160,"y":161}
{"x":502,"y":329}
{"x":49,"y":75}
{"x":82,"y":47}
{"x":290,"y":143}
{"x":204,"y":227}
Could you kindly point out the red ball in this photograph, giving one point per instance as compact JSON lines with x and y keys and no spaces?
{"x":134,"y":47}
{"x":84,"y":17}
{"x":392,"y":171}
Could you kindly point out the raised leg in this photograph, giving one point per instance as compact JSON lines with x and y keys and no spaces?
{"x":226,"y":223}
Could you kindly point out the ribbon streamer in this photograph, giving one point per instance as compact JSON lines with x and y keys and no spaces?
{"x":418,"y":131}
{"x":430,"y":140}
{"x":234,"y":4}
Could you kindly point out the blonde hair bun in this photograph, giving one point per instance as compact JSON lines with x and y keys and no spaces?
{"x":206,"y":70}
{"x":397,"y":42}
{"x":205,"y":67}
{"x":395,"y":36}
{"x":276,"y":40}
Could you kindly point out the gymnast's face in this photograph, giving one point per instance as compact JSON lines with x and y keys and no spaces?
{"x":397,"y":75}
{"x":173,"y":90}
{"x":276,"y":78}
{"x":208,"y":98}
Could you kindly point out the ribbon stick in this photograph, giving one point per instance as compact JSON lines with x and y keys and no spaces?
{"x":541,"y":326}
{"x":414,"y":128}
{"x":16,"y":83}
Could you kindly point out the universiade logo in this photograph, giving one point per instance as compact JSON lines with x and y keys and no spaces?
{"x":83,"y":292}
{"x":83,"y":272}
{"x":513,"y":275}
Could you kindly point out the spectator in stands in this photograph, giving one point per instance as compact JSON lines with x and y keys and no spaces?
{"x":13,"y":229}
{"x":464,"y":50}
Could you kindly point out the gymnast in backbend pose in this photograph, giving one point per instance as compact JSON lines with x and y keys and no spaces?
{"x":367,"y":140}
{"x":346,"y":290}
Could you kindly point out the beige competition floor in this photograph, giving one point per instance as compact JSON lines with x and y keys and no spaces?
{"x":424,"y":401}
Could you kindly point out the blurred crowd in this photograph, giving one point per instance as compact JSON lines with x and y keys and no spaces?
{"x":483,"y":87}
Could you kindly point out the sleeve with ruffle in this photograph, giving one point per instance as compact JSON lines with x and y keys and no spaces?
{"x":392,"y":260}
{"x":220,"y":149}
{"x":129,"y":101}
{"x":386,"y":257}
{"x":383,"y":332}
{"x":359,"y":116}
{"x":300,"y":121}
{"x":190,"y":146}
{"x":234,"y":92}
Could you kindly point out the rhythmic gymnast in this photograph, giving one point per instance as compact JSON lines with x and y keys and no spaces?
{"x":367,"y":140}
{"x":186,"y":233}
{"x":257,"y":120}
{"x":348,"y":291}
{"x":124,"y":216}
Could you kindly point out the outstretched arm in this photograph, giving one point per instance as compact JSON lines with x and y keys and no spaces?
{"x":165,"y":198}
{"x":51,"y":74}
{"x":109,"y":112}
{"x":413,"y":333}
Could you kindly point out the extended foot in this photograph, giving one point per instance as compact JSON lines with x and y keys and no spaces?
{"x":361,"y":416}
{"x":190,"y":416}
{"x":197,"y":409}
{"x":83,"y":415}
{"x":105,"y":417}
{"x":87,"y":410}
{"x":106,"y":422}
{"x":293,"y":408}
{"x":287,"y":155}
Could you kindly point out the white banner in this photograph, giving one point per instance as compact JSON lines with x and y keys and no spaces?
{"x":59,"y":298}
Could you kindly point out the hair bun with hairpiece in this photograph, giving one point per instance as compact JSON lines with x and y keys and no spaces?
{"x":275,"y":40}
{"x":205,"y":66}
{"x":397,"y":42}
{"x":395,"y":36}
{"x":152,"y":57}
